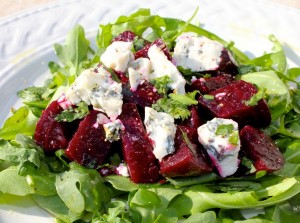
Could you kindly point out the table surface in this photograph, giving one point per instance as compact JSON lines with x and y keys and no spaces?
{"x":14,"y":6}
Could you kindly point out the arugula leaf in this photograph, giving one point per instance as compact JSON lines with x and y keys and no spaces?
{"x":71,"y":114}
{"x":22,"y":121}
{"x":74,"y":52}
{"x":256,"y":98}
{"x":176,"y":104}
{"x":277,"y":93}
{"x":81,"y":189}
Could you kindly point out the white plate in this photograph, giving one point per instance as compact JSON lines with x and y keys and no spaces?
{"x":26,"y":46}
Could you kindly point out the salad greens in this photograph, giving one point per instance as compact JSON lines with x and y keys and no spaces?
{"x":72,"y":193}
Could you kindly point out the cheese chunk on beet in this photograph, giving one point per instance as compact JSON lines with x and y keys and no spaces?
{"x":159,"y":43}
{"x":187,"y":160}
{"x":206,"y":85}
{"x":200,"y":54}
{"x":50,"y":134}
{"x":137,"y":149}
{"x":88,"y":146}
{"x":261,"y":149}
{"x":230,"y":102}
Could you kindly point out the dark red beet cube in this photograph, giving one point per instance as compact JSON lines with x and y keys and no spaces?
{"x":206,"y":85}
{"x":137,"y":149}
{"x":227,"y":63}
{"x":160,"y":43}
{"x":50,"y":134}
{"x":192,"y":123}
{"x":145,"y":94}
{"x":230,"y":102}
{"x":188,"y":159}
{"x":88,"y":146}
{"x":126,"y":36}
{"x":261,"y":149}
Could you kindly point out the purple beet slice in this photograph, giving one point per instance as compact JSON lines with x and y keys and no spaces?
{"x":145,"y":94}
{"x":188,"y":159}
{"x":144,"y":51}
{"x":126,"y":36}
{"x":261,"y":149}
{"x":227,"y":63}
{"x":88,"y":146}
{"x":206,"y":85}
{"x":137,"y":149}
{"x":192,"y":123}
{"x":230,"y":102}
{"x":50,"y":134}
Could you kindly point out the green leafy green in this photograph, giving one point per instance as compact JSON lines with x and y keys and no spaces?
{"x":75,"y":50}
{"x":161,"y":84}
{"x":176,"y":104}
{"x":22,"y":121}
{"x":70,"y":114}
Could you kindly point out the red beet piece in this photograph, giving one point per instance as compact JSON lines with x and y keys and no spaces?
{"x":229,"y":102}
{"x":145,"y":94}
{"x":126,"y":36}
{"x":88,"y":146}
{"x":188,"y":159}
{"x":160,"y":43}
{"x":50,"y":134}
{"x":261,"y":149}
{"x":206,"y":85}
{"x":192,"y":123}
{"x":227,"y":63}
{"x":137,"y":149}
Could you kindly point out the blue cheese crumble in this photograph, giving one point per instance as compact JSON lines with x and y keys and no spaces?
{"x":117,"y":55}
{"x":112,"y":130}
{"x":99,"y":90}
{"x":161,"y":66}
{"x":161,"y":130}
{"x":197,"y":53}
{"x":221,"y":140}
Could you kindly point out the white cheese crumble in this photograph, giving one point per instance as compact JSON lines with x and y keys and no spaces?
{"x":138,"y":71}
{"x":99,"y":90}
{"x":221,"y":150}
{"x":122,"y":170}
{"x":161,"y":66}
{"x":161,"y":130}
{"x":197,"y":53}
{"x":117,"y":55}
{"x":112,"y":130}
{"x":101,"y":120}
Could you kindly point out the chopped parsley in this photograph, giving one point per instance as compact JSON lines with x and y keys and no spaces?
{"x":72,"y":114}
{"x":161,"y":84}
{"x":176,"y":104}
{"x":224,"y":129}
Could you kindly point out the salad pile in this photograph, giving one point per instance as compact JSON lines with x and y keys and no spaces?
{"x":163,"y":122}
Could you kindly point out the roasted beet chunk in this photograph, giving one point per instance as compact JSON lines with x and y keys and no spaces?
{"x":206,"y":85}
{"x":230,"y":102}
{"x":260,"y":148}
{"x":50,"y":134}
{"x":160,"y":43}
{"x":88,"y":146}
{"x":188,"y":159}
{"x":137,"y":150}
{"x":145,"y":94}
{"x":126,"y":36}
{"x":192,"y":123}
{"x":227,"y":63}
